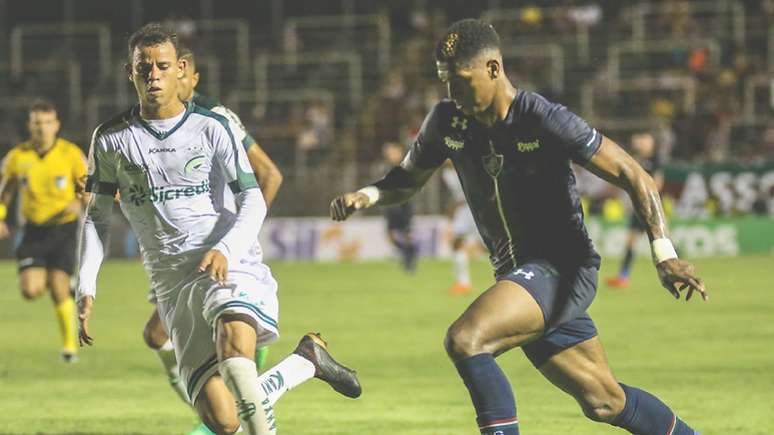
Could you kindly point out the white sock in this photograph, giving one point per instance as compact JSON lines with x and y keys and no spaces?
{"x":253,"y":409}
{"x":166,"y":354}
{"x":461,"y":269}
{"x":283,"y":377}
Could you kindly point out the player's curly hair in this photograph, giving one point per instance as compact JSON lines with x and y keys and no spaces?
{"x":464,"y":39}
{"x":152,"y":34}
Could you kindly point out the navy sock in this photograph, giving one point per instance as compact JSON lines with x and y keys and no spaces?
{"x":491,"y":395}
{"x":408,"y":252}
{"x":627,"y":263}
{"x":644,"y":414}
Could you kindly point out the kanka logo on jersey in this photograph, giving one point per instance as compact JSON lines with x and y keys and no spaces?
{"x":161,"y":150}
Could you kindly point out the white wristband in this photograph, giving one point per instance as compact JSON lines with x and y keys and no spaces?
{"x":372,"y":192}
{"x":662,"y":250}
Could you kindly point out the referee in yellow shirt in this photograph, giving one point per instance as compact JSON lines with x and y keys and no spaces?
{"x":46,"y":170}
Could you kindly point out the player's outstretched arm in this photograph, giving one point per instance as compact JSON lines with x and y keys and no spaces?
{"x":400,"y":184}
{"x":616,"y":166}
{"x":94,"y":241}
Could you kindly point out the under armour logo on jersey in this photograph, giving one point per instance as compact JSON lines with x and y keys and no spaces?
{"x":461,"y":123}
{"x":527,"y":275}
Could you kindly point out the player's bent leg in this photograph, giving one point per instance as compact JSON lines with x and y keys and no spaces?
{"x":216,"y":407}
{"x":156,"y":338}
{"x":33,"y":282}
{"x":503,"y":317}
{"x":64,"y":305}
{"x":236,"y":340}
{"x":154,"y":334}
{"x":310,"y":359}
{"x":582,"y":371}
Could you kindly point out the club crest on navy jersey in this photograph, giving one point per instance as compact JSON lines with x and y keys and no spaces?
{"x":493,"y":164}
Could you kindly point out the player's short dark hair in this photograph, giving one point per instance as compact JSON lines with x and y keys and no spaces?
{"x":41,"y":105}
{"x":465,"y":39}
{"x":150,"y":35}
{"x":185,"y":52}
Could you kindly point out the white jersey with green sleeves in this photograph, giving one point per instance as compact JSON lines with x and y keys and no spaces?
{"x":172,"y":183}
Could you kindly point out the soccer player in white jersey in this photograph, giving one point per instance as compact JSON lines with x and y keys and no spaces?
{"x":269,"y":179}
{"x":171,"y":162}
{"x":463,"y":231}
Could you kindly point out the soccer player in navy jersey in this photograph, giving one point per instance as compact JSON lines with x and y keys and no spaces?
{"x":512,"y":151}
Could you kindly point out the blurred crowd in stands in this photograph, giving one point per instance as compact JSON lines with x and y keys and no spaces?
{"x":698,"y":75}
{"x":712,"y":128}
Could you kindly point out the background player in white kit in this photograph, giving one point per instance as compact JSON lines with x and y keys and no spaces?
{"x":464,"y":232}
{"x":171,"y":162}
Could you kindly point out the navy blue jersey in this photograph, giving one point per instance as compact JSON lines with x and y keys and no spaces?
{"x":517,"y":177}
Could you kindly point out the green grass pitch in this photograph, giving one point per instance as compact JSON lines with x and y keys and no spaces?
{"x":712,"y":362}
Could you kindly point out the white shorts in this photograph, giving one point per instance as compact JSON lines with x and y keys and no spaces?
{"x":190,"y":308}
{"x":463,"y":224}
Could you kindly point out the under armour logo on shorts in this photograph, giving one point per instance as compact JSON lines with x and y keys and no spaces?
{"x":527,"y":275}
{"x":461,"y":123}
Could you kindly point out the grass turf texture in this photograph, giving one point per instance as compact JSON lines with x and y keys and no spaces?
{"x":712,"y":362}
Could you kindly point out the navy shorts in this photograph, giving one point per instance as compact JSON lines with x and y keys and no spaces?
{"x":564,"y":298}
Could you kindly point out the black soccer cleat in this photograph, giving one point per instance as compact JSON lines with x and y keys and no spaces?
{"x":342,"y":379}
{"x":69,"y":357}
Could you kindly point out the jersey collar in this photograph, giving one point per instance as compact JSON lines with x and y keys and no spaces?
{"x":513,"y":111}
{"x":156,"y":134}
